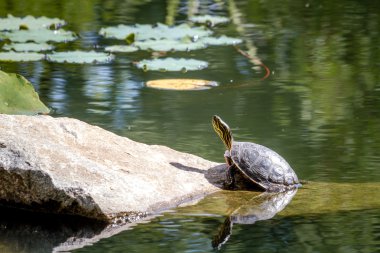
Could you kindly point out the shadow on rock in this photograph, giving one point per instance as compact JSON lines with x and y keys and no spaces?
{"x":217,"y":176}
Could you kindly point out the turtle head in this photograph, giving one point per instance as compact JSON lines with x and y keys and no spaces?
{"x":223,"y":130}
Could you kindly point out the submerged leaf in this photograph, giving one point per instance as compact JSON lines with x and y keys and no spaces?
{"x":17,"y":96}
{"x":169,"y":45}
{"x":222,"y":40}
{"x":121,"y":49}
{"x":40,"y":36}
{"x":29,"y":23}
{"x":20,"y":56}
{"x":80,"y":57}
{"x":28,"y":47}
{"x":172,"y":64}
{"x":181,"y":84}
{"x":205,"y":19}
{"x":161,"y":31}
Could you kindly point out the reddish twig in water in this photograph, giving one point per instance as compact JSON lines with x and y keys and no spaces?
{"x":267,"y":71}
{"x":255,"y":61}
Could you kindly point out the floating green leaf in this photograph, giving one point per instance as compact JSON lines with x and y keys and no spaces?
{"x":172,"y":64}
{"x":121,"y":49}
{"x":181,"y":84}
{"x":121,"y":32}
{"x":207,"y":19}
{"x":29,"y":23}
{"x":20,"y":57}
{"x":130,"y":39}
{"x":80,"y":57}
{"x":17,"y":96}
{"x":222,"y":40}
{"x":28,"y":47}
{"x":169,"y":45}
{"x":39,"y":36}
{"x":160,"y":31}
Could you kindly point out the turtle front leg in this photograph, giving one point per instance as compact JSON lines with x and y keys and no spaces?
{"x":227,"y":158}
{"x":230,"y":177}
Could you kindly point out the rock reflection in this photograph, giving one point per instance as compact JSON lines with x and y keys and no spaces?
{"x":28,"y":232}
{"x":262,"y":207}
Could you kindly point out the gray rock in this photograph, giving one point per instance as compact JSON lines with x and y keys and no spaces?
{"x":65,"y":166}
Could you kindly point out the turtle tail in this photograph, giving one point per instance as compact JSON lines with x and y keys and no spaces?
{"x":223,"y":131}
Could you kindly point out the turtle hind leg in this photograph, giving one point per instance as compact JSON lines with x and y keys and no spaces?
{"x":230,"y":177}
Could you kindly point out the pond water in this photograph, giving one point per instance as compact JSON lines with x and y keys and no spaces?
{"x":319,"y":108}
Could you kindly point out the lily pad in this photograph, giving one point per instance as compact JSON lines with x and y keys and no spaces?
{"x":17,"y":96}
{"x":121,"y":32}
{"x":222,"y":40}
{"x":169,"y":45}
{"x":121,"y":49}
{"x":207,"y":19}
{"x":29,"y":23}
{"x":20,"y":56}
{"x":28,"y":47}
{"x":80,"y":57}
{"x":40,"y":36}
{"x":172,"y":64}
{"x":181,"y":84}
{"x":160,"y":31}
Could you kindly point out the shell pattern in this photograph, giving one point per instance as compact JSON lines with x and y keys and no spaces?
{"x":263,"y":166}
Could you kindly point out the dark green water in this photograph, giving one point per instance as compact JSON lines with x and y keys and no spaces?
{"x":319,"y":108}
{"x":330,"y":233}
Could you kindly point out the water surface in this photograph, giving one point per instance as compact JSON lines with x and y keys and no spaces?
{"x":319,"y":108}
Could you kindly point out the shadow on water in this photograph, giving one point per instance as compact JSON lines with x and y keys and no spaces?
{"x":22,"y":231}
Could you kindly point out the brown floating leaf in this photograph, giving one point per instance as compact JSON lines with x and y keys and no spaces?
{"x":181,"y":84}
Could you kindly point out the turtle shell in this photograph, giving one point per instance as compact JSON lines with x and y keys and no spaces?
{"x":263,"y":166}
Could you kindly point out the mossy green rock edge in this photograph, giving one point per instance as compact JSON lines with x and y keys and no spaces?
{"x":17,"y":96}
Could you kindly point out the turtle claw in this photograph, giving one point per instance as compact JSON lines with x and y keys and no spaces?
{"x":228,"y":186}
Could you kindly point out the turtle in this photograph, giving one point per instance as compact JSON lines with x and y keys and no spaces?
{"x":263,"y":167}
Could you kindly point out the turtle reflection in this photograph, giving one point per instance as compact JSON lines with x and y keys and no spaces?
{"x":261,"y":207}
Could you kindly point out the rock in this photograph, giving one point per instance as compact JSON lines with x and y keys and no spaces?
{"x":65,"y":166}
